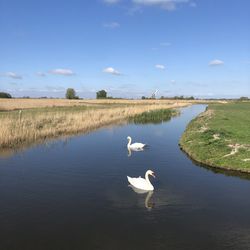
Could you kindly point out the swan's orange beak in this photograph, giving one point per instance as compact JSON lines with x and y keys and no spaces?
{"x":153,"y":174}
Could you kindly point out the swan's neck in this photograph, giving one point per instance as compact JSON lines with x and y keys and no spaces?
{"x":129,"y":142}
{"x":147,"y":179}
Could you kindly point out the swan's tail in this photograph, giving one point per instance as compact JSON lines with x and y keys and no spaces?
{"x":129,"y":179}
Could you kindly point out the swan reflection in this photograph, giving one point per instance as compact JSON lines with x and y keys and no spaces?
{"x":136,"y":150}
{"x":147,"y":203}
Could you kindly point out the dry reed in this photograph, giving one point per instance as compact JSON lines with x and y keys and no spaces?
{"x":33,"y":127}
{"x":16,"y":104}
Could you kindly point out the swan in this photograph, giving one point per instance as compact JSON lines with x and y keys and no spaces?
{"x":142,"y":183}
{"x":135,"y":146}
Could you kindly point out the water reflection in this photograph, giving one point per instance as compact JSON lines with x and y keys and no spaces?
{"x":135,"y":150}
{"x":218,"y":170}
{"x":148,"y":203}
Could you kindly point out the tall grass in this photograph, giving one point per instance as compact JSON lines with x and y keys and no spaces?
{"x":153,"y":116}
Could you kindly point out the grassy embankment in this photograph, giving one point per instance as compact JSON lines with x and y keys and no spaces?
{"x":43,"y":119}
{"x":220,"y":137}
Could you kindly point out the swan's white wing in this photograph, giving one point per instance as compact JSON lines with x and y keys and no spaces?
{"x":136,"y":149}
{"x":139,"y":182}
{"x":137,"y":145}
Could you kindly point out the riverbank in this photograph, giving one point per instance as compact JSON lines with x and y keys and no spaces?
{"x":35,"y":123}
{"x":220,"y":137}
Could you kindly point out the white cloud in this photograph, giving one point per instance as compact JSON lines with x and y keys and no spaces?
{"x":160,"y":66}
{"x":173,"y":81}
{"x":165,"y":44}
{"x":12,"y":75}
{"x":64,"y":72}
{"x":216,"y":62}
{"x":112,"y":71}
{"x":112,"y":25}
{"x":41,"y":74}
{"x":111,"y":1}
{"x":165,"y":4}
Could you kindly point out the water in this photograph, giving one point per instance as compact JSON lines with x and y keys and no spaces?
{"x":74,"y":195}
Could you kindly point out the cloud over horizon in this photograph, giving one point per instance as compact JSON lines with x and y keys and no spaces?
{"x":64,"y":72}
{"x":13,"y":75}
{"x":216,"y":62}
{"x":160,"y":66}
{"x":112,"y":71}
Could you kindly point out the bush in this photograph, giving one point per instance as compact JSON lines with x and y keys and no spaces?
{"x":5,"y":95}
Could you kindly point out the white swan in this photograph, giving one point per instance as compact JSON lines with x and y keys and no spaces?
{"x":135,"y":146}
{"x":142,"y":183}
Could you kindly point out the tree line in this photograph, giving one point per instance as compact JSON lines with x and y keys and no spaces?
{"x":102,"y":94}
{"x":71,"y":94}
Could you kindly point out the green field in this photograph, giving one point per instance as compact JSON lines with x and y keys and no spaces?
{"x":220,"y":137}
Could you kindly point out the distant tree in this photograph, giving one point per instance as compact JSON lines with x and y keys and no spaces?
{"x":243,"y":98}
{"x":71,"y":94}
{"x":143,"y":97}
{"x":5,"y":95}
{"x":102,"y":94}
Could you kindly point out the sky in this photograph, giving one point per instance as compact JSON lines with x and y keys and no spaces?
{"x":129,"y":48}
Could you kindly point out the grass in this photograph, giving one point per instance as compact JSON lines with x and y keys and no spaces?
{"x":38,"y":122}
{"x":153,"y":116}
{"x":220,"y":137}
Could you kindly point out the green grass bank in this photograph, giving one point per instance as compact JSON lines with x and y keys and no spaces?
{"x":220,"y":137}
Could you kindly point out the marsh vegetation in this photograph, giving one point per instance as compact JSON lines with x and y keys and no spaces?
{"x":153,"y":116}
{"x":36,"y":122}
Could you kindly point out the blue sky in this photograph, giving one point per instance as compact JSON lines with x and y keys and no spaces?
{"x":127,"y":47}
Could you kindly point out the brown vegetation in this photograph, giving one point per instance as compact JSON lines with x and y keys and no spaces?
{"x":17,"y":104}
{"x":30,"y":126}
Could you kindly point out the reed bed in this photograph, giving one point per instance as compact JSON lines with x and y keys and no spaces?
{"x":19,"y":128}
{"x":17,"y":104}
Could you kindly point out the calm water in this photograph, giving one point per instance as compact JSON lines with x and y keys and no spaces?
{"x":74,"y":195}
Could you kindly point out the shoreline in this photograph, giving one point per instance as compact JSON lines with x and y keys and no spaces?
{"x":213,"y":167}
{"x":218,"y":138}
